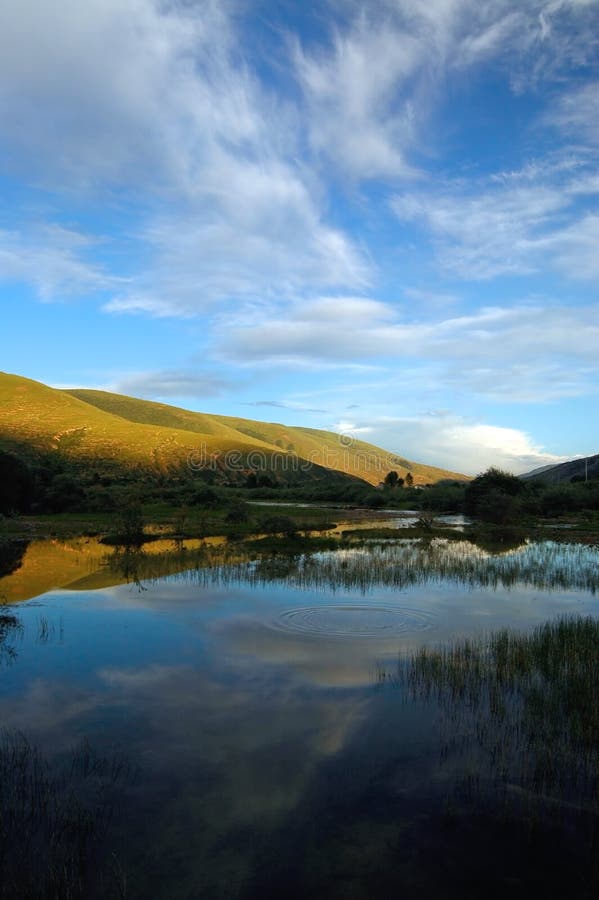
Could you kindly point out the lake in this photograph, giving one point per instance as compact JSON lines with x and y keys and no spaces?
{"x":240,"y":726}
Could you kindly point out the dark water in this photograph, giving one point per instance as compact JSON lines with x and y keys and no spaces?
{"x":272,"y":759}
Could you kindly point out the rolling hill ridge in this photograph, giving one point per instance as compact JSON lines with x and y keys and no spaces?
{"x":110,"y":430}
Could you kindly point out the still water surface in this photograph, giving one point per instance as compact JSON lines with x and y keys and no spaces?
{"x":273,"y":761}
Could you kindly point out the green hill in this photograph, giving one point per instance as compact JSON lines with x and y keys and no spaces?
{"x":105,"y":429}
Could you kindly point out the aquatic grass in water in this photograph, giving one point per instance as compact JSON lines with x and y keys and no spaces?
{"x":546,"y":566}
{"x":53,"y":821}
{"x":274,"y":766}
{"x":521,"y":714}
{"x":519,"y":745}
{"x":10,"y":628}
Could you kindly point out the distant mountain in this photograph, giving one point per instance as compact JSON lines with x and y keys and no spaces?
{"x":110,"y":430}
{"x":587,"y":467}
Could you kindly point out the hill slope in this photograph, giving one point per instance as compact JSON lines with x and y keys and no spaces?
{"x":587,"y":467}
{"x":323,"y":448}
{"x":109,"y":429}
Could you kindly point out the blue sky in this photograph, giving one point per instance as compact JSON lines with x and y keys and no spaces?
{"x":378,"y":218}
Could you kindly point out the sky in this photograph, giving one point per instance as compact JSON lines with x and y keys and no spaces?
{"x":378,"y":218}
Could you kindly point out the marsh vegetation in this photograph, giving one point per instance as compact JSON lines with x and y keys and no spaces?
{"x":528,"y":701}
{"x":317,"y":715}
{"x":404,"y":563}
{"x":519,"y":732}
{"x":54,"y":818}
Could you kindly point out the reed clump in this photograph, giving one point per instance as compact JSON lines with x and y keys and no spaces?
{"x":521,"y":713}
{"x":54,"y":820}
{"x":399,"y":564}
{"x":11,"y":629}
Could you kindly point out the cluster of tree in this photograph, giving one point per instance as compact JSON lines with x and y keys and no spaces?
{"x":394,"y":480}
{"x":17,"y":484}
{"x":55,"y":484}
{"x":502,"y":498}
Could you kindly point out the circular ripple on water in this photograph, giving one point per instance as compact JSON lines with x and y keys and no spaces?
{"x":354,"y":621}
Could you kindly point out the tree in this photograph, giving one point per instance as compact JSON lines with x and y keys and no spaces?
{"x":130,"y":525}
{"x":409,"y":480}
{"x":494,"y":496}
{"x":391,"y":479}
{"x":203,"y":496}
{"x":279,"y":525}
{"x":16,"y":484}
{"x":374,"y":501}
{"x":64,"y":494}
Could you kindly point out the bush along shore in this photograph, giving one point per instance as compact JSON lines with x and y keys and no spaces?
{"x":54,"y":498}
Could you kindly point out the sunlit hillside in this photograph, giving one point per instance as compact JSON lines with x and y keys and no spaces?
{"x":106,"y":428}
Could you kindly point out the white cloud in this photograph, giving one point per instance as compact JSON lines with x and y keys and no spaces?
{"x":330,"y":329}
{"x":171,"y":383}
{"x":450,"y":442}
{"x":261,"y":237}
{"x":371,"y":89}
{"x":107,"y":90}
{"x":355,"y":112}
{"x":576,"y":113}
{"x":54,"y":259}
{"x":519,"y":353}
{"x":173,"y":116}
{"x":430,"y":299}
{"x":574,"y":250}
{"x":350,"y":429}
{"x":516,"y":222}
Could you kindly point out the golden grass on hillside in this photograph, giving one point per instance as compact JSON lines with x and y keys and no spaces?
{"x":323,"y":448}
{"x":98,"y":425}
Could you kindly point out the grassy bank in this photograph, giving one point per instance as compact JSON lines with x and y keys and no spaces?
{"x":238,"y":520}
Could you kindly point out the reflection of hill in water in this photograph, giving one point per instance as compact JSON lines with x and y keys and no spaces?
{"x":86,"y":564}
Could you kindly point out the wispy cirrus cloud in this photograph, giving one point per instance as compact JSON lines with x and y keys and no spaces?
{"x":134,"y":116}
{"x":263,"y":237}
{"x":206,"y":153}
{"x":511,"y":222}
{"x":354,"y":88}
{"x":57,"y":260}
{"x":382,"y":73}
{"x":229,"y":197}
{"x":576,"y":113}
